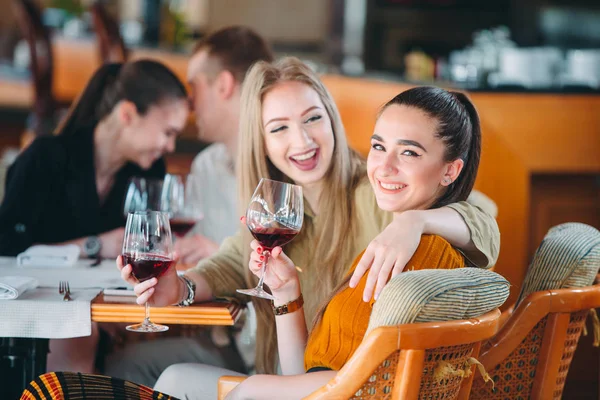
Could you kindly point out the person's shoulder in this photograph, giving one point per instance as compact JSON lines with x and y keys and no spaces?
{"x":211,"y":155}
{"x":212,"y":152}
{"x":44,"y":149}
{"x":363,"y":193}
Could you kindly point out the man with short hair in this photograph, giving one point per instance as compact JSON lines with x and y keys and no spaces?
{"x":215,"y":75}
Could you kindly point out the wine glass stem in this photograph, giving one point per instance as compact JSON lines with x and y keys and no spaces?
{"x":147,"y":318}
{"x":266,"y":254}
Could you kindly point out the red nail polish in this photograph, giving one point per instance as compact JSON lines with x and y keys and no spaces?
{"x":262,"y":258}
{"x":259,"y":249}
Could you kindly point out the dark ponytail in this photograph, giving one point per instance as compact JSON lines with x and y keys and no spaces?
{"x":144,"y":83}
{"x":465,"y":181}
{"x":83,"y":110}
{"x":459,"y":128}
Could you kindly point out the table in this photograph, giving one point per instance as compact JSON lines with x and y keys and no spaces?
{"x":23,"y":359}
{"x":124,"y":309}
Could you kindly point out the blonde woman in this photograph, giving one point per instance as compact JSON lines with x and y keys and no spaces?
{"x":291,"y":130}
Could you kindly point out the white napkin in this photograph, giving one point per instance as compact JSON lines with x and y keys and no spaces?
{"x":49,"y":256}
{"x":12,"y":287}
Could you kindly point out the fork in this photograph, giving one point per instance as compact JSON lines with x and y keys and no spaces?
{"x":63,"y":288}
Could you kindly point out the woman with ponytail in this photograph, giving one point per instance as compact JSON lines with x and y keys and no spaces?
{"x":424,"y":155}
{"x":69,"y":188}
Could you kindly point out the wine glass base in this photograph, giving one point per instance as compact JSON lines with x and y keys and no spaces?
{"x":147,"y":327}
{"x":256,"y":293}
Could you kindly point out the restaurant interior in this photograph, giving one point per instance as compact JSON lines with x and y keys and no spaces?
{"x":531,"y":69}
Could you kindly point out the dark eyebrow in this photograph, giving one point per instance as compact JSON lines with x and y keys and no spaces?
{"x":401,"y":142}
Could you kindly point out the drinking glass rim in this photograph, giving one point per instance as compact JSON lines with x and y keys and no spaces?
{"x":273,"y":180}
{"x":148,"y":212}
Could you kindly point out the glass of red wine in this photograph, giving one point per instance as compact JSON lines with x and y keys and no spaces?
{"x":148,"y":248}
{"x":179,"y":198}
{"x":274,"y":217}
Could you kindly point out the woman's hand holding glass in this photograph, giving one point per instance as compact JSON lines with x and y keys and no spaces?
{"x":160,"y":292}
{"x":281,"y":276}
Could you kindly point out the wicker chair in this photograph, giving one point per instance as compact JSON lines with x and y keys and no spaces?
{"x":405,"y":362}
{"x":72,"y":385}
{"x":530,"y":357}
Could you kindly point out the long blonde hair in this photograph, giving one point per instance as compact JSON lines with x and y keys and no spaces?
{"x":335,"y":201}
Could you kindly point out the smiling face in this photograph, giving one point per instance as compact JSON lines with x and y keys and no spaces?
{"x":148,"y":137}
{"x":298,"y":135}
{"x":406,"y":163}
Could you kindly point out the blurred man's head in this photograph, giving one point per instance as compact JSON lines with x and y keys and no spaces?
{"x":215,"y":74}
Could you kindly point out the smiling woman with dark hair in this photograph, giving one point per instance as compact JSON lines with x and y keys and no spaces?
{"x":69,"y":188}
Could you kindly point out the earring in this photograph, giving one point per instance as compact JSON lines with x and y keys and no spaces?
{"x":447,"y":181}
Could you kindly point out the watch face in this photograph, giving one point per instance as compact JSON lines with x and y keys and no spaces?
{"x":92,"y":246}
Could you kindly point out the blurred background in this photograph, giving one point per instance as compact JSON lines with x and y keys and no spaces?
{"x":532,"y":68}
{"x":500,"y":45}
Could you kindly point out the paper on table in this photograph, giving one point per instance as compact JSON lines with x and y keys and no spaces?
{"x":11,"y":287}
{"x":49,"y":256}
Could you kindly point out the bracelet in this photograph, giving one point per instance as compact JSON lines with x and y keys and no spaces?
{"x":289,"y":307}
{"x":191,"y":291}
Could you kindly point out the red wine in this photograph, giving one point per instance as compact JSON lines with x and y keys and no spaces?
{"x":181,"y":226}
{"x":273,"y":237}
{"x":147,"y":266}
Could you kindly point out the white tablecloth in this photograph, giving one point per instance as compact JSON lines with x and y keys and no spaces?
{"x":41,"y":313}
{"x":81,"y":275}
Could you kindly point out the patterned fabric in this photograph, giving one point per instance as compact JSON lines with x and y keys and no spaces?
{"x":438,"y":295}
{"x":569,"y":256}
{"x":76,"y":386}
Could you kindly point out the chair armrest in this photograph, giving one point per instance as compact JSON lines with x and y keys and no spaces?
{"x":227,"y":384}
{"x":505,"y":315}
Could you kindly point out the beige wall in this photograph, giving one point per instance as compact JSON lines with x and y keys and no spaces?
{"x":277,"y":20}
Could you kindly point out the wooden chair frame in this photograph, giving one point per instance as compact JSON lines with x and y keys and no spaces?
{"x":412,"y":341}
{"x":558,"y":306}
{"x":111,"y":47}
{"x":29,"y":20}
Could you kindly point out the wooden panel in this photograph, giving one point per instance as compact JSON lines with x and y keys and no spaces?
{"x":549,"y":132}
{"x":504,"y":177}
{"x":556,"y":199}
{"x":124,"y":309}
{"x":16,"y":94}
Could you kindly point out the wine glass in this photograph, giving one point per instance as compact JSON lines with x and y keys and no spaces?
{"x":179,"y":198}
{"x":148,"y":248}
{"x":274,"y":217}
{"x":143,"y":194}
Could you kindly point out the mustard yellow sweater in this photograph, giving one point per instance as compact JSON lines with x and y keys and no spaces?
{"x":345,"y":320}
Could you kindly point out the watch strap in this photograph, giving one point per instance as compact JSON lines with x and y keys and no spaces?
{"x":289,"y":307}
